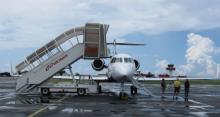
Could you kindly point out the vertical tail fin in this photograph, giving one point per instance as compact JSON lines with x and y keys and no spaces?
{"x":11,"y":69}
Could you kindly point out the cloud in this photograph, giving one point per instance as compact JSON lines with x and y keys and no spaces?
{"x":161,"y":64}
{"x":217,"y":51}
{"x":199,"y":56}
{"x":5,"y":67}
{"x":26,"y":24}
{"x":30,"y":24}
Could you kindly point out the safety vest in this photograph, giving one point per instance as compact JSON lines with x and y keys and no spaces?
{"x":177,"y":83}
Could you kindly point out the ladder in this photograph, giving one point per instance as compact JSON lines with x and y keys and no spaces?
{"x":42,"y":64}
{"x":141,"y":87}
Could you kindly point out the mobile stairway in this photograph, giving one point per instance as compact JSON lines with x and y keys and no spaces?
{"x":61,"y":52}
{"x":141,"y":87}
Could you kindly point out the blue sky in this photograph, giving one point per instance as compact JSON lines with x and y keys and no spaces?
{"x":184,"y":32}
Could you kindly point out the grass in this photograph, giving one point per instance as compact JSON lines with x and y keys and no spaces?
{"x":196,"y":82}
{"x":209,"y":82}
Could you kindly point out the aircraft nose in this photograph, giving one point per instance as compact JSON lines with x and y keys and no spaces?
{"x":124,"y":72}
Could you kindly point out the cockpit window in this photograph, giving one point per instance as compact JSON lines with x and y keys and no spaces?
{"x":113,"y":60}
{"x":127,"y":60}
{"x":119,"y":60}
{"x":116,"y":60}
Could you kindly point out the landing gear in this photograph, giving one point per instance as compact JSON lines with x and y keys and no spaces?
{"x":123,"y":95}
{"x":99,"y":89}
{"x":133,"y":90}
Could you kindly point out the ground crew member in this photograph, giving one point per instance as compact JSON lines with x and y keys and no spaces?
{"x":186,"y":87}
{"x":177,"y":84}
{"x":163,"y":87}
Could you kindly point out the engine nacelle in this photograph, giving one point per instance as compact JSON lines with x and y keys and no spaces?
{"x":137,"y":64}
{"x":98,"y":64}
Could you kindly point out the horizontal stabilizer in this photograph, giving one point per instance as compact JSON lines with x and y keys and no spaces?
{"x":132,"y":44}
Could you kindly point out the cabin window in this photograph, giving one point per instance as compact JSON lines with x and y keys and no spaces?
{"x":127,"y":60}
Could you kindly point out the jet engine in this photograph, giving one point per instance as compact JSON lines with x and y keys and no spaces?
{"x":137,"y":64}
{"x":98,"y":64}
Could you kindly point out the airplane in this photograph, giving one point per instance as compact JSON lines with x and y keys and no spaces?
{"x":122,"y":68}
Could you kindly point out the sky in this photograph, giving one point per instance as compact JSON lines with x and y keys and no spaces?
{"x":181,"y":32}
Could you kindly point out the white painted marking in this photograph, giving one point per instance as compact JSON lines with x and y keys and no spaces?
{"x":52,"y":107}
{"x":68,"y":110}
{"x":196,"y":102}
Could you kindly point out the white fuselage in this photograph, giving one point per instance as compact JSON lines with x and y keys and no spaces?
{"x":121,"y":68}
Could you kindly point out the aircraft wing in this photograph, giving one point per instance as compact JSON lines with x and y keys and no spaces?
{"x":94,"y":77}
{"x":174,"y":78}
{"x":139,"y":78}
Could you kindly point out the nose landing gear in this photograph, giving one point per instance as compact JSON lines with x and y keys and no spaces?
{"x":123,"y":95}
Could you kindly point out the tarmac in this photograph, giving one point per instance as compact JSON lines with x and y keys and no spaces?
{"x":204,"y":102}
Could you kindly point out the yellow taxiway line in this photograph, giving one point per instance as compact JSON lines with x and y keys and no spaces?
{"x":44,"y":108}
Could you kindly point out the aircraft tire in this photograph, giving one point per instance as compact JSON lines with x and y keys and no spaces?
{"x":135,"y":90}
{"x":132,"y":90}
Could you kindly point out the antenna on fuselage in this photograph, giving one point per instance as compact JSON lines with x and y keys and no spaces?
{"x":114,"y":44}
